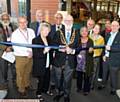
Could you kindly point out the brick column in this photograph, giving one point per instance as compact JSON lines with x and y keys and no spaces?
{"x":50,"y":7}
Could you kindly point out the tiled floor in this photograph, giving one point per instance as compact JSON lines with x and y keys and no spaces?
{"x":94,"y":96}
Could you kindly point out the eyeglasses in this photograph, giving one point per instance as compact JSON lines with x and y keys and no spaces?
{"x":5,"y":18}
{"x":22,"y":22}
{"x":58,"y":17}
{"x":68,"y":20}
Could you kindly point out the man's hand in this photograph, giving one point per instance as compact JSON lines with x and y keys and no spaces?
{"x":68,"y":50}
{"x":62,"y":48}
{"x":107,"y":47}
{"x":90,"y":50}
{"x":104,"y":58}
{"x":8,"y":49}
{"x":30,"y":54}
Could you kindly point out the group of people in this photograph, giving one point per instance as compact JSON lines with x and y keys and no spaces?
{"x":106,"y":63}
{"x":64,"y":50}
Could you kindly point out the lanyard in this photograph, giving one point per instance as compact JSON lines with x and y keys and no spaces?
{"x":24,"y":35}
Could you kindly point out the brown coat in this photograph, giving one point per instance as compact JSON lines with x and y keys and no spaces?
{"x":2,"y":39}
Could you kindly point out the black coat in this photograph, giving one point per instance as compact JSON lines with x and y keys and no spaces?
{"x":53,"y":30}
{"x":39,"y":58}
{"x":35,"y":26}
{"x":52,"y":35}
{"x":89,"y":56}
{"x":115,"y":51}
{"x":60,"y":57}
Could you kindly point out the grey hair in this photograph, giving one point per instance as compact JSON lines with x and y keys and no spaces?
{"x":22,"y":17}
{"x":39,"y":12}
{"x":68,"y":16}
{"x":58,"y":14}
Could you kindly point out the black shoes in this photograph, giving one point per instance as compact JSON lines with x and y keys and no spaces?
{"x":92,"y":88}
{"x":85,"y":93}
{"x":78,"y":90}
{"x":101,"y":87}
{"x":57,"y":98}
{"x":113,"y":92}
{"x":66,"y":99}
{"x":50,"y":93}
{"x":41,"y":99}
{"x":23,"y":94}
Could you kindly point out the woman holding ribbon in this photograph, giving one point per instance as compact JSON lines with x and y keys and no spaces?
{"x":84,"y":62}
{"x":41,"y":59}
{"x":98,"y":40}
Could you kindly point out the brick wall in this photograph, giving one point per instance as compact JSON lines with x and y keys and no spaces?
{"x":50,"y":7}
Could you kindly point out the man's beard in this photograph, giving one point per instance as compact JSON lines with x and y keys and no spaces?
{"x":5,"y":23}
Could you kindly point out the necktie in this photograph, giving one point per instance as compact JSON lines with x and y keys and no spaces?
{"x":110,"y":41}
{"x":6,"y":31}
{"x":89,"y":32}
{"x":37,"y":29}
{"x":38,"y":32}
{"x":58,"y":27}
{"x":68,"y":37}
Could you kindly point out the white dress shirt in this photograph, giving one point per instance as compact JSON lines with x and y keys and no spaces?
{"x":109,"y":42}
{"x":58,"y":27}
{"x":22,"y":37}
{"x":67,"y":35}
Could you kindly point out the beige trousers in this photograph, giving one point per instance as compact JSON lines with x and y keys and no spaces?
{"x":23,"y":72}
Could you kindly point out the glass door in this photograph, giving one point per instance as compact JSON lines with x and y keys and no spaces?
{"x":22,"y":7}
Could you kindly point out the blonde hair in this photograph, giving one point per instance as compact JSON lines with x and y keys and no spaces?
{"x":44,"y":24}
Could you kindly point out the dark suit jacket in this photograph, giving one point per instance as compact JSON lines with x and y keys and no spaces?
{"x":39,"y":58}
{"x":115,"y":51}
{"x":35,"y":25}
{"x":60,"y":57}
{"x":53,"y":30}
{"x":51,"y":36}
{"x":2,"y":39}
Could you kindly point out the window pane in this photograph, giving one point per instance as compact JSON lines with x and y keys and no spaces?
{"x":22,"y":7}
